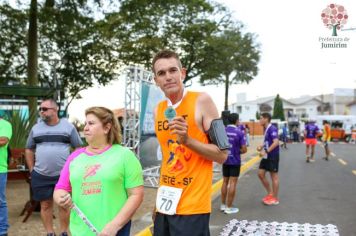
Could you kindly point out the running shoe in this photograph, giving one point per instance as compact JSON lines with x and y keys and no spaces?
{"x":271,"y":201}
{"x":231,"y":210}
{"x":265,"y":198}
{"x":312,"y":160}
{"x":222,"y":207}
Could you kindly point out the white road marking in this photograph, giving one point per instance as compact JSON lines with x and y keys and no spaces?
{"x":342,"y":161}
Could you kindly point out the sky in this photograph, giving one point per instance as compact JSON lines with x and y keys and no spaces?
{"x":292,"y":61}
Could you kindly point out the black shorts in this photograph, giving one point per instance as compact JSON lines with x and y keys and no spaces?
{"x":271,"y":164}
{"x":181,"y":225}
{"x":42,"y":186}
{"x":231,"y":170}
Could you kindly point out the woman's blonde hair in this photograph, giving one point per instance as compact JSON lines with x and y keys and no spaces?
{"x":106,"y":116}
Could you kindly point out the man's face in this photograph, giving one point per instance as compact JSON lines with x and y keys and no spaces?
{"x":168,"y":75}
{"x":263,"y":120}
{"x":48,"y":111}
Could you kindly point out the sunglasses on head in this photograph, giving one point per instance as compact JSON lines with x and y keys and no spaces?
{"x":45,"y":108}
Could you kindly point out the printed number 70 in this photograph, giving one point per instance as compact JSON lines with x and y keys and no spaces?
{"x":166,"y":202}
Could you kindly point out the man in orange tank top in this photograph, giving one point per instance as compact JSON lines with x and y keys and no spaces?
{"x":183,"y":202}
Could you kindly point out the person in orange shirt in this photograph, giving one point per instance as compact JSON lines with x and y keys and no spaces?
{"x":183,"y":202}
{"x":326,"y":139}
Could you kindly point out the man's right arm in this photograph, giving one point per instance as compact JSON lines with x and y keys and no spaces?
{"x":29,"y":152}
{"x":30,"y":158}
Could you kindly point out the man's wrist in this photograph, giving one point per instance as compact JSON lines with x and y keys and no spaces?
{"x":186,"y":141}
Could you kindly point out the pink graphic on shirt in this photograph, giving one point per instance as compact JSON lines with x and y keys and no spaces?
{"x":91,"y":170}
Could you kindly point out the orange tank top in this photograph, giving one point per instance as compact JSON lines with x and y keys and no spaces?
{"x":182,"y":167}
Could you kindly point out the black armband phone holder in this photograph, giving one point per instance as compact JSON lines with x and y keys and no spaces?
{"x":217,"y":134}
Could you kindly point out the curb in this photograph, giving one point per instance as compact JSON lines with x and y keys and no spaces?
{"x":148,"y":231}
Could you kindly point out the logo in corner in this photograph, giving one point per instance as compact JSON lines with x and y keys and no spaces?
{"x":334,"y":17}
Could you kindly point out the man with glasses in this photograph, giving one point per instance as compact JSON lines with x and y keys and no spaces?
{"x":47,"y":149}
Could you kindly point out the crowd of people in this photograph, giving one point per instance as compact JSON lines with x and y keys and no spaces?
{"x":99,"y":186}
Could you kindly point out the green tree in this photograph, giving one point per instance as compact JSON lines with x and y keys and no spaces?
{"x":71,"y":51}
{"x":230,"y":58}
{"x":143,"y":27}
{"x":12,"y":35}
{"x":278,"y":111}
{"x":258,"y":116}
{"x":78,"y":50}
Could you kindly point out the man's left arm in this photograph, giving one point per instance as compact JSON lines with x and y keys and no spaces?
{"x":274,"y":145}
{"x":206,"y":109}
{"x":75,"y":139}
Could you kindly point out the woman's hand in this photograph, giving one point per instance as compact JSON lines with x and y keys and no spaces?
{"x":109,"y":230}
{"x":65,"y":201}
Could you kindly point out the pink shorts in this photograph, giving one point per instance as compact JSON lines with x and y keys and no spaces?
{"x":311,"y":141}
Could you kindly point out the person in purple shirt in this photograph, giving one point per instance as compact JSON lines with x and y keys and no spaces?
{"x":242,"y":127}
{"x":231,"y":167}
{"x":311,"y":132}
{"x":269,"y":151}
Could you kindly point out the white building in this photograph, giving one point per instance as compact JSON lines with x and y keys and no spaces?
{"x":306,"y":107}
{"x":352,"y":108}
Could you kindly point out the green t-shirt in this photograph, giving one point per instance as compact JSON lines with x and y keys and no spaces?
{"x":99,"y":184}
{"x":5,"y":132}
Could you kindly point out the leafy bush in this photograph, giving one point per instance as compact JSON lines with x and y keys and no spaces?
{"x":20,"y":129}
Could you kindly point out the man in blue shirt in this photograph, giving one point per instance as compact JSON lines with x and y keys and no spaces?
{"x":269,"y":151}
{"x":231,"y":167}
{"x":284,"y":136}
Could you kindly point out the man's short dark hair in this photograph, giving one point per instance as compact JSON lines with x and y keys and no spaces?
{"x":52,"y":101}
{"x":233,"y":118}
{"x":267,"y":116}
{"x":325,"y":122}
{"x":166,"y":54}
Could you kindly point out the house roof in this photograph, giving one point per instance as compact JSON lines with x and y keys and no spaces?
{"x":293,"y":101}
{"x":303,"y":99}
{"x":261,"y":100}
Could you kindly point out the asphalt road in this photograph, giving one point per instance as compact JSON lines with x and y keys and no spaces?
{"x":323,"y":192}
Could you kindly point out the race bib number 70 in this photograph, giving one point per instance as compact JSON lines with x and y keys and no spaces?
{"x":168,"y":199}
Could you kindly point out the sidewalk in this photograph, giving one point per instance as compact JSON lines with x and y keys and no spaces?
{"x":18,"y":194}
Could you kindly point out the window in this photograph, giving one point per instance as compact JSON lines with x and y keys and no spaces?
{"x":238,"y":109}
